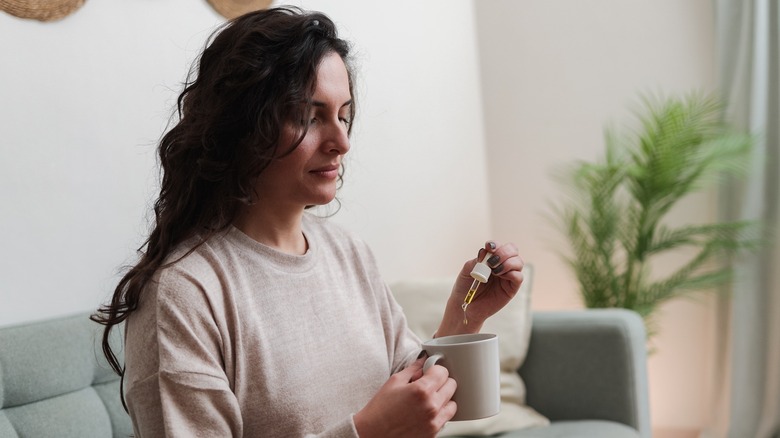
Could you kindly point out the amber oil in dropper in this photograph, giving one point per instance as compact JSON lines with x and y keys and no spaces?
{"x":480,"y":274}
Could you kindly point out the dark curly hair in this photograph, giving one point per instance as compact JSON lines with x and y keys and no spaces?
{"x":256,"y":74}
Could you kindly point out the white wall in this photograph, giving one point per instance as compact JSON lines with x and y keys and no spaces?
{"x":84,"y":100}
{"x":416,"y":181}
{"x":554,"y":73}
{"x":82,"y":103}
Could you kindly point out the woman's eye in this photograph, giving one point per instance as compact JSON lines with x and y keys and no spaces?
{"x":345,"y":121}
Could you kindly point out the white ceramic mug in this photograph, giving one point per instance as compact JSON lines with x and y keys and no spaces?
{"x":472,"y":361}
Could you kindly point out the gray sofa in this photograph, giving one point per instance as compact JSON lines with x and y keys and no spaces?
{"x":585,"y":371}
{"x":54,"y":382}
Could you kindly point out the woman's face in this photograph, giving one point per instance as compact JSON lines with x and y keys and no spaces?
{"x":309,"y":174}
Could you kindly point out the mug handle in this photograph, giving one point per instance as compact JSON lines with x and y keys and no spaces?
{"x":431,"y":361}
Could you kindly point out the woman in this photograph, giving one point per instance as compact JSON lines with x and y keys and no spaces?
{"x":247,"y":315}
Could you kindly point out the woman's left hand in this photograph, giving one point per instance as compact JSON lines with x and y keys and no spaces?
{"x":504,"y":282}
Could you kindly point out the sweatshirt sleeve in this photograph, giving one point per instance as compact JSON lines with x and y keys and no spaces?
{"x":407,"y":346}
{"x":176,"y":382}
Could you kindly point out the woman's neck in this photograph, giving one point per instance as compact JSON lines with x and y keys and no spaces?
{"x":275,"y":228}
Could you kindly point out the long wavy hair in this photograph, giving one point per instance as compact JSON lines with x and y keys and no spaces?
{"x":256,"y":74}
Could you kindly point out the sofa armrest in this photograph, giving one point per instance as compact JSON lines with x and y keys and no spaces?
{"x":589,"y":364}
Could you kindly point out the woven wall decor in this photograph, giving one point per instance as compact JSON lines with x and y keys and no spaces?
{"x":233,"y":8}
{"x":41,"y":10}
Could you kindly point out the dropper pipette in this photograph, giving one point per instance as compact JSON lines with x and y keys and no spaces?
{"x":480,"y":273}
{"x":470,"y":294}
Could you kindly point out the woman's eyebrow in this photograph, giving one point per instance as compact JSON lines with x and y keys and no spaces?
{"x":319,"y":104}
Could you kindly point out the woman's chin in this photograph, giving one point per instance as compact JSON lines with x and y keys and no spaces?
{"x":323,"y":199}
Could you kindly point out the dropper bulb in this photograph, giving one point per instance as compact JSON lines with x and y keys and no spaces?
{"x":481,"y":271}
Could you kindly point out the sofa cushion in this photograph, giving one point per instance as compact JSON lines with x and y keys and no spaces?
{"x":423,"y":302}
{"x":55,"y":382}
{"x":574,"y":429}
{"x":46,"y":359}
{"x":6,"y":428}
{"x":79,"y":414}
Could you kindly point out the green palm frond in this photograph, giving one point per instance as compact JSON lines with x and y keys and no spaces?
{"x":614,"y":220}
{"x":729,"y":235}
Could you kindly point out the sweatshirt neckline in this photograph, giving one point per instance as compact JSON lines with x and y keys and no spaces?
{"x":281,"y":260}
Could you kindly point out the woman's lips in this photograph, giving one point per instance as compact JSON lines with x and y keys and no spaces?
{"x":330,"y":171}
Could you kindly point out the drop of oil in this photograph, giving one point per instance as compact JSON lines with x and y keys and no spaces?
{"x":466,"y":301}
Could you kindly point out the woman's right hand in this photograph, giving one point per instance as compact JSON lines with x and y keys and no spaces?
{"x":409,"y":404}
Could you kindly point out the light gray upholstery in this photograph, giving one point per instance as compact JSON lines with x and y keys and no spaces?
{"x":588,"y":365}
{"x":55,"y":383}
{"x":576,"y":429}
{"x":585,"y":370}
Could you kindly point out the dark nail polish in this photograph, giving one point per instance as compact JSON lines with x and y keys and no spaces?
{"x":497,"y":269}
{"x":492,"y":245}
{"x":493,"y":260}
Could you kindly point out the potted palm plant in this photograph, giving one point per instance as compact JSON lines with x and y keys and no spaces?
{"x":614,"y":220}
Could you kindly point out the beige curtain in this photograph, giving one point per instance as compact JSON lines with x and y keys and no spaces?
{"x":748,"y":402}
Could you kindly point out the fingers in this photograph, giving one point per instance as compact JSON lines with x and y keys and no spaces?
{"x":435,"y":377}
{"x":447,"y":412}
{"x":447,"y":390}
{"x":414,"y":409}
{"x":444,"y":395}
{"x":504,"y":258}
{"x":413,"y":372}
{"x":437,"y":381}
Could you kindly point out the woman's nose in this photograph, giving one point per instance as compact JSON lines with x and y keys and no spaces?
{"x":337,"y":140}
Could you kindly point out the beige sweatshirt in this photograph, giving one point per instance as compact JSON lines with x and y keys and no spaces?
{"x":238,"y":339}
